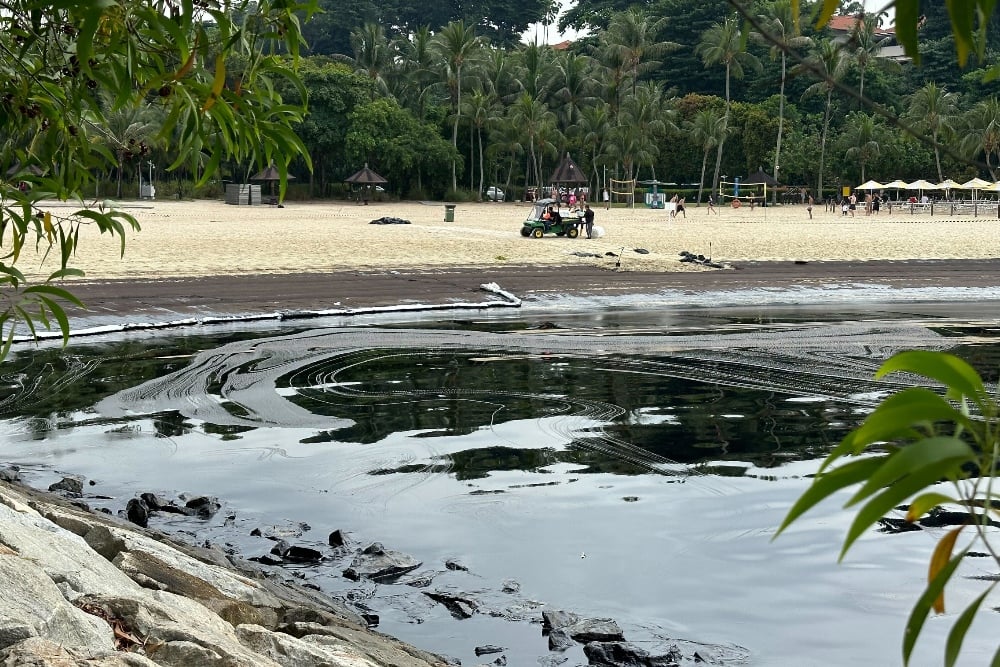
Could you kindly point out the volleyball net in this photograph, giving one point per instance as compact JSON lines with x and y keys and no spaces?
{"x":623,"y":190}
{"x":748,"y":193}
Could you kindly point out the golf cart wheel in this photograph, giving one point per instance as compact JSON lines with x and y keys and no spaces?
{"x":572,"y":232}
{"x":538,"y":232}
{"x":525,"y":231}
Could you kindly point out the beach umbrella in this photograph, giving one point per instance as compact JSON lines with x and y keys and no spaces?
{"x":895,"y":185}
{"x":920,"y":185}
{"x":976,"y":184}
{"x":870,"y":185}
{"x":948,"y":184}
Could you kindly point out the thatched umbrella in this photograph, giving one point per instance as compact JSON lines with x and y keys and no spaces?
{"x":270,"y":175}
{"x":567,"y":173}
{"x":366,"y":178}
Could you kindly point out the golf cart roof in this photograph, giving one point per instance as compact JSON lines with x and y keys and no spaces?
{"x":545,"y":202}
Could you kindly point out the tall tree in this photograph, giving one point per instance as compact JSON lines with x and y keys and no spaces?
{"x":707,"y":129}
{"x":779,"y":32}
{"x":573,"y":87}
{"x":860,"y":141}
{"x":633,"y":36}
{"x":722,"y":44}
{"x":933,"y":110}
{"x":372,"y":55}
{"x":981,"y":133}
{"x":827,"y":62}
{"x":483,"y":111}
{"x":458,"y":48}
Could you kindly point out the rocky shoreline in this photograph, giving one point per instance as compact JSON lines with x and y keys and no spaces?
{"x":80,"y":586}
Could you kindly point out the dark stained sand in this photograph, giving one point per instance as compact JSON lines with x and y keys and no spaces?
{"x":248,"y":295}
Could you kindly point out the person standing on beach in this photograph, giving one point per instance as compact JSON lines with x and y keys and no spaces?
{"x":711,"y":205}
{"x":588,"y":220}
{"x":809,"y":207}
{"x":680,"y":208}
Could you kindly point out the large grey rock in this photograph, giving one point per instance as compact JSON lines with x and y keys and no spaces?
{"x":63,"y":556}
{"x":294,"y":652}
{"x":38,"y":652}
{"x":622,"y":654}
{"x":380,"y":564}
{"x":31,"y":605}
{"x":179,"y":632}
{"x":384,"y":650}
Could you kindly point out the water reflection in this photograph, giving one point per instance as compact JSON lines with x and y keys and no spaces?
{"x":516,"y":448}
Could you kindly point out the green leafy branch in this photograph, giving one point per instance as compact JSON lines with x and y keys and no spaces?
{"x":914,"y":441}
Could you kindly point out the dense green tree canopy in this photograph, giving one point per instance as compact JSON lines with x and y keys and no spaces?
{"x":87,"y":88}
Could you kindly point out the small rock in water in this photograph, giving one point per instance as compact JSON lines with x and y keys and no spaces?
{"x":203,"y":506}
{"x":137,"y":512}
{"x":336,"y":538}
{"x":489,"y":648}
{"x":70,"y":485}
{"x":453,"y":564}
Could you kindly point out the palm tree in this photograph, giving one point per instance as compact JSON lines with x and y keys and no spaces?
{"x":779,"y":30}
{"x":859,"y":141}
{"x":707,"y":129}
{"x":982,"y":132}
{"x":483,"y":111}
{"x":827,"y":62}
{"x":646,"y":112}
{"x":535,"y":70}
{"x":865,"y":48}
{"x":933,"y":111}
{"x":535,"y":121}
{"x":130,"y":131}
{"x":573,"y":86}
{"x":593,"y":127}
{"x":632,"y":36}
{"x":722,"y":44}
{"x":415,"y":73}
{"x":372,"y":54}
{"x":458,"y":47}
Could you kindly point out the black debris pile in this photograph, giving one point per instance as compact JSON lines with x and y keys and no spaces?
{"x":699,"y":259}
{"x":389,"y":220}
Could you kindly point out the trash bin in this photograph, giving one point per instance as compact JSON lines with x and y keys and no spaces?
{"x":449,"y":212}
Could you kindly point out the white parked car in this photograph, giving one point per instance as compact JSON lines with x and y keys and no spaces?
{"x":494,"y":193}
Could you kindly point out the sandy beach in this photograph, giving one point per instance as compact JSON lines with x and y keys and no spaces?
{"x":206,"y":257}
{"x":207,"y":238}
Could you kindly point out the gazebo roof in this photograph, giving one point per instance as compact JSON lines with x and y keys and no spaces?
{"x":760,"y":177}
{"x":365,"y":176}
{"x":568,"y":172}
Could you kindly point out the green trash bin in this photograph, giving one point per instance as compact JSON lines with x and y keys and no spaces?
{"x":449,"y":212}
